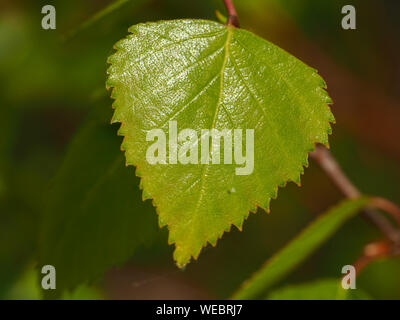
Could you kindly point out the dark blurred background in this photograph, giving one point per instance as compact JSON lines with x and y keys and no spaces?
{"x":52,"y":81}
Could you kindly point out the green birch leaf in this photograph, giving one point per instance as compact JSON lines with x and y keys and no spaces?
{"x":205,"y":75}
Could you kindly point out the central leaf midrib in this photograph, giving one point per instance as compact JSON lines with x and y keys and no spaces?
{"x":226,"y":56}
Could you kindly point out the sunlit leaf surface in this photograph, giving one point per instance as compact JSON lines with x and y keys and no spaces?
{"x":205,"y":75}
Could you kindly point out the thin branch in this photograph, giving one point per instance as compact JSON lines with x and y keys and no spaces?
{"x":387,"y":206}
{"x":233,"y":19}
{"x":329,"y":164}
{"x":372,"y":252}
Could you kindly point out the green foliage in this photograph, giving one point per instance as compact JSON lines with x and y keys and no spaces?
{"x":98,"y":16}
{"x":205,"y":75}
{"x":28,"y":288}
{"x":38,"y":118}
{"x":300,"y":248}
{"x":94,"y":215}
{"x":324,"y":289}
{"x":18,"y":226}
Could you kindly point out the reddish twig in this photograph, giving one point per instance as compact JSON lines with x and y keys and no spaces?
{"x":329,"y":164}
{"x":375,"y":251}
{"x":233,"y":19}
{"x":387,"y":206}
{"x":372,"y":252}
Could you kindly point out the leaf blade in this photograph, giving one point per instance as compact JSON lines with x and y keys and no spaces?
{"x":205,"y":75}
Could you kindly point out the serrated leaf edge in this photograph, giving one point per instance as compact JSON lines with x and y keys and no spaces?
{"x":145,"y":196}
